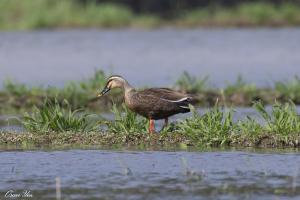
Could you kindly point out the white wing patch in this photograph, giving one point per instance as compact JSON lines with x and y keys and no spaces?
{"x":185,"y":107}
{"x":177,"y":101}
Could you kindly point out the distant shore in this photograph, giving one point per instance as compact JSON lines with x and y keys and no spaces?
{"x":47,"y":14}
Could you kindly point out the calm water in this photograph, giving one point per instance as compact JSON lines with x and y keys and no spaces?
{"x":151,"y":57}
{"x":98,"y":174}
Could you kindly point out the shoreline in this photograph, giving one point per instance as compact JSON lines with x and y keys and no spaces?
{"x":163,"y":140}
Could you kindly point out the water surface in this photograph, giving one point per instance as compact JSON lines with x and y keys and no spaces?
{"x":152,"y":58}
{"x":99,"y":174}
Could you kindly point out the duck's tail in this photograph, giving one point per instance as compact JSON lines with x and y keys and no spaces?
{"x":184,"y":103}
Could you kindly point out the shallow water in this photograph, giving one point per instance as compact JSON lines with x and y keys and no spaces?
{"x":99,"y":174}
{"x":151,"y":58}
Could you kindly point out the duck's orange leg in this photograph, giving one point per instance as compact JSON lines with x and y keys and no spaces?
{"x":151,"y":126}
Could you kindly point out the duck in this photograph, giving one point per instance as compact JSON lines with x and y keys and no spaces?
{"x":151,"y":103}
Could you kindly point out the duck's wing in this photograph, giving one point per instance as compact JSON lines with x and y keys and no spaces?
{"x":165,"y":94}
{"x":158,"y":103}
{"x":167,"y":97}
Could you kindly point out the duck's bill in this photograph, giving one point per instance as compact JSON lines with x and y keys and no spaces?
{"x":103,"y":92}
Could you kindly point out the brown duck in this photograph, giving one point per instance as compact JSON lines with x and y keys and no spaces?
{"x":152,"y":103}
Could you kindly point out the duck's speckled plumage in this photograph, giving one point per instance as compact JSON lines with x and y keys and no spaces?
{"x":157,"y":103}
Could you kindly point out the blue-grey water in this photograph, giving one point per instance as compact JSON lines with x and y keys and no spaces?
{"x":152,"y":58}
{"x":98,"y":174}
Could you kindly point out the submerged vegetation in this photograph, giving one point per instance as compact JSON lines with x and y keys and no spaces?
{"x":30,"y":14}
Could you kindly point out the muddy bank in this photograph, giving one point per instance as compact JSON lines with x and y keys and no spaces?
{"x":139,"y":139}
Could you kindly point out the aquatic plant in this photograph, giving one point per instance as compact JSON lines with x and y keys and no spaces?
{"x":19,"y":89}
{"x":17,"y":97}
{"x":78,"y":94}
{"x":53,"y":116}
{"x":289,"y":90}
{"x":191,"y":84}
{"x":240,"y":86}
{"x":283,"y":119}
{"x":249,"y":127}
{"x":214,"y":126}
{"x":126,"y":122}
{"x":15,"y":88}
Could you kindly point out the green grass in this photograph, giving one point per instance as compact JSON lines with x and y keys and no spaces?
{"x":191,"y":84}
{"x":39,"y":14}
{"x":53,"y":117}
{"x":127,"y":122}
{"x":34,"y":14}
{"x":80,"y":94}
{"x":240,"y":86}
{"x":283,"y":120}
{"x":245,"y":14}
{"x":215,"y":127}
{"x":17,"y":97}
{"x":289,"y":90}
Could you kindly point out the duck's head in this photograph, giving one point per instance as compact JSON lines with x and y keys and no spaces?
{"x":112,"y":82}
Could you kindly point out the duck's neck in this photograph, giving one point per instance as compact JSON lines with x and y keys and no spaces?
{"x":128,"y":89}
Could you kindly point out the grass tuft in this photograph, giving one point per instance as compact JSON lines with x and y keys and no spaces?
{"x":52,"y":116}
{"x":215,"y":126}
{"x":240,"y":86}
{"x":289,"y":90}
{"x":283,"y":119}
{"x":191,"y":84}
{"x":126,"y":122}
{"x":17,"y":97}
